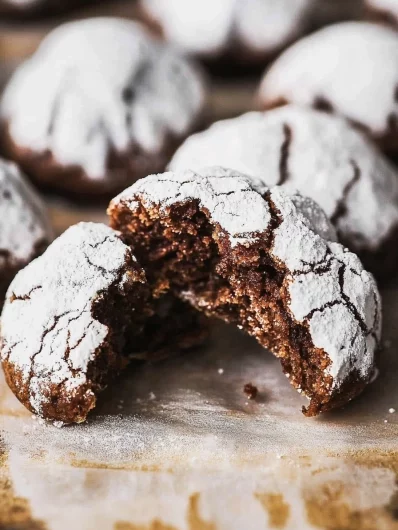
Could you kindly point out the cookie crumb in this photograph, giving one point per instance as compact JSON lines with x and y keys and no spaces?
{"x":250,"y":391}
{"x":220,"y":371}
{"x":391,"y":410}
{"x":151,"y":396}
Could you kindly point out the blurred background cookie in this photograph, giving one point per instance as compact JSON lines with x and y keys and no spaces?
{"x":254,"y":30}
{"x":323,"y":157}
{"x":24,"y":226}
{"x":350,"y":69}
{"x":99,"y":105}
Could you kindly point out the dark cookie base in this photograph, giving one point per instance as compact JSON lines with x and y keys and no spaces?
{"x":72,"y":181}
{"x":183,"y":252}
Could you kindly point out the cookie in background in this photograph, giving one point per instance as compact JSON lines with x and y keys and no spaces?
{"x":100,"y":104}
{"x":350,"y":69}
{"x":250,"y":31}
{"x":25,"y":229}
{"x":322,"y":156}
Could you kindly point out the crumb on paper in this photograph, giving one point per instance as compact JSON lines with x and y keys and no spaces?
{"x":385,"y":421}
{"x":221,"y":371}
{"x":391,"y":410}
{"x":58,"y":424}
{"x":250,"y":390}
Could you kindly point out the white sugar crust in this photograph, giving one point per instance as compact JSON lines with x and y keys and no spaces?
{"x":24,"y":224}
{"x":49,"y":332}
{"x":208,"y":27}
{"x":101,"y":85}
{"x":352,"y":65}
{"x":328,"y":288}
{"x":326,"y":159}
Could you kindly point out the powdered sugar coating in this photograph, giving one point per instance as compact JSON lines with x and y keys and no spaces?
{"x":319,"y":154}
{"x":49,"y":332}
{"x":98,"y":86}
{"x":351,"y":67}
{"x":24,"y":225}
{"x":209,"y":28}
{"x":325,"y":282}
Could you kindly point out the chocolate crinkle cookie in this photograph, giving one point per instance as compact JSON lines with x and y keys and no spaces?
{"x":383,"y":11}
{"x":349,"y":69}
{"x":25,"y":229}
{"x":99,"y":105}
{"x":74,"y":317}
{"x":322,"y":156}
{"x":265,"y":260}
{"x":250,"y":30}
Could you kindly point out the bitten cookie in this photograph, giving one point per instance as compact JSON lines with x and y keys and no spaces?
{"x":383,"y":11}
{"x":25,"y":230}
{"x":99,"y":105}
{"x":266,"y":261}
{"x":250,"y":30}
{"x":74,"y":317}
{"x":350,"y":69}
{"x":324,"y":158}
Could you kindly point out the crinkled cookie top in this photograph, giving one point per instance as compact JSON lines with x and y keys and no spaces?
{"x":99,"y":85}
{"x":329,"y":289}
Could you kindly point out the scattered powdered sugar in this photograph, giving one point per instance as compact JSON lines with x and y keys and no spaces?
{"x":99,"y":85}
{"x":24,"y":225}
{"x":352,"y":67}
{"x":319,"y":154}
{"x":329,"y":290}
{"x":208,"y":27}
{"x":48,"y":330}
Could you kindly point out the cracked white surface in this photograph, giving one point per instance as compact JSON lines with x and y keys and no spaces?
{"x":208,"y":27}
{"x":100,"y":85}
{"x":23,"y":219}
{"x":48,"y":310}
{"x":339,"y":296}
{"x":352,"y":65}
{"x":326,"y":159}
